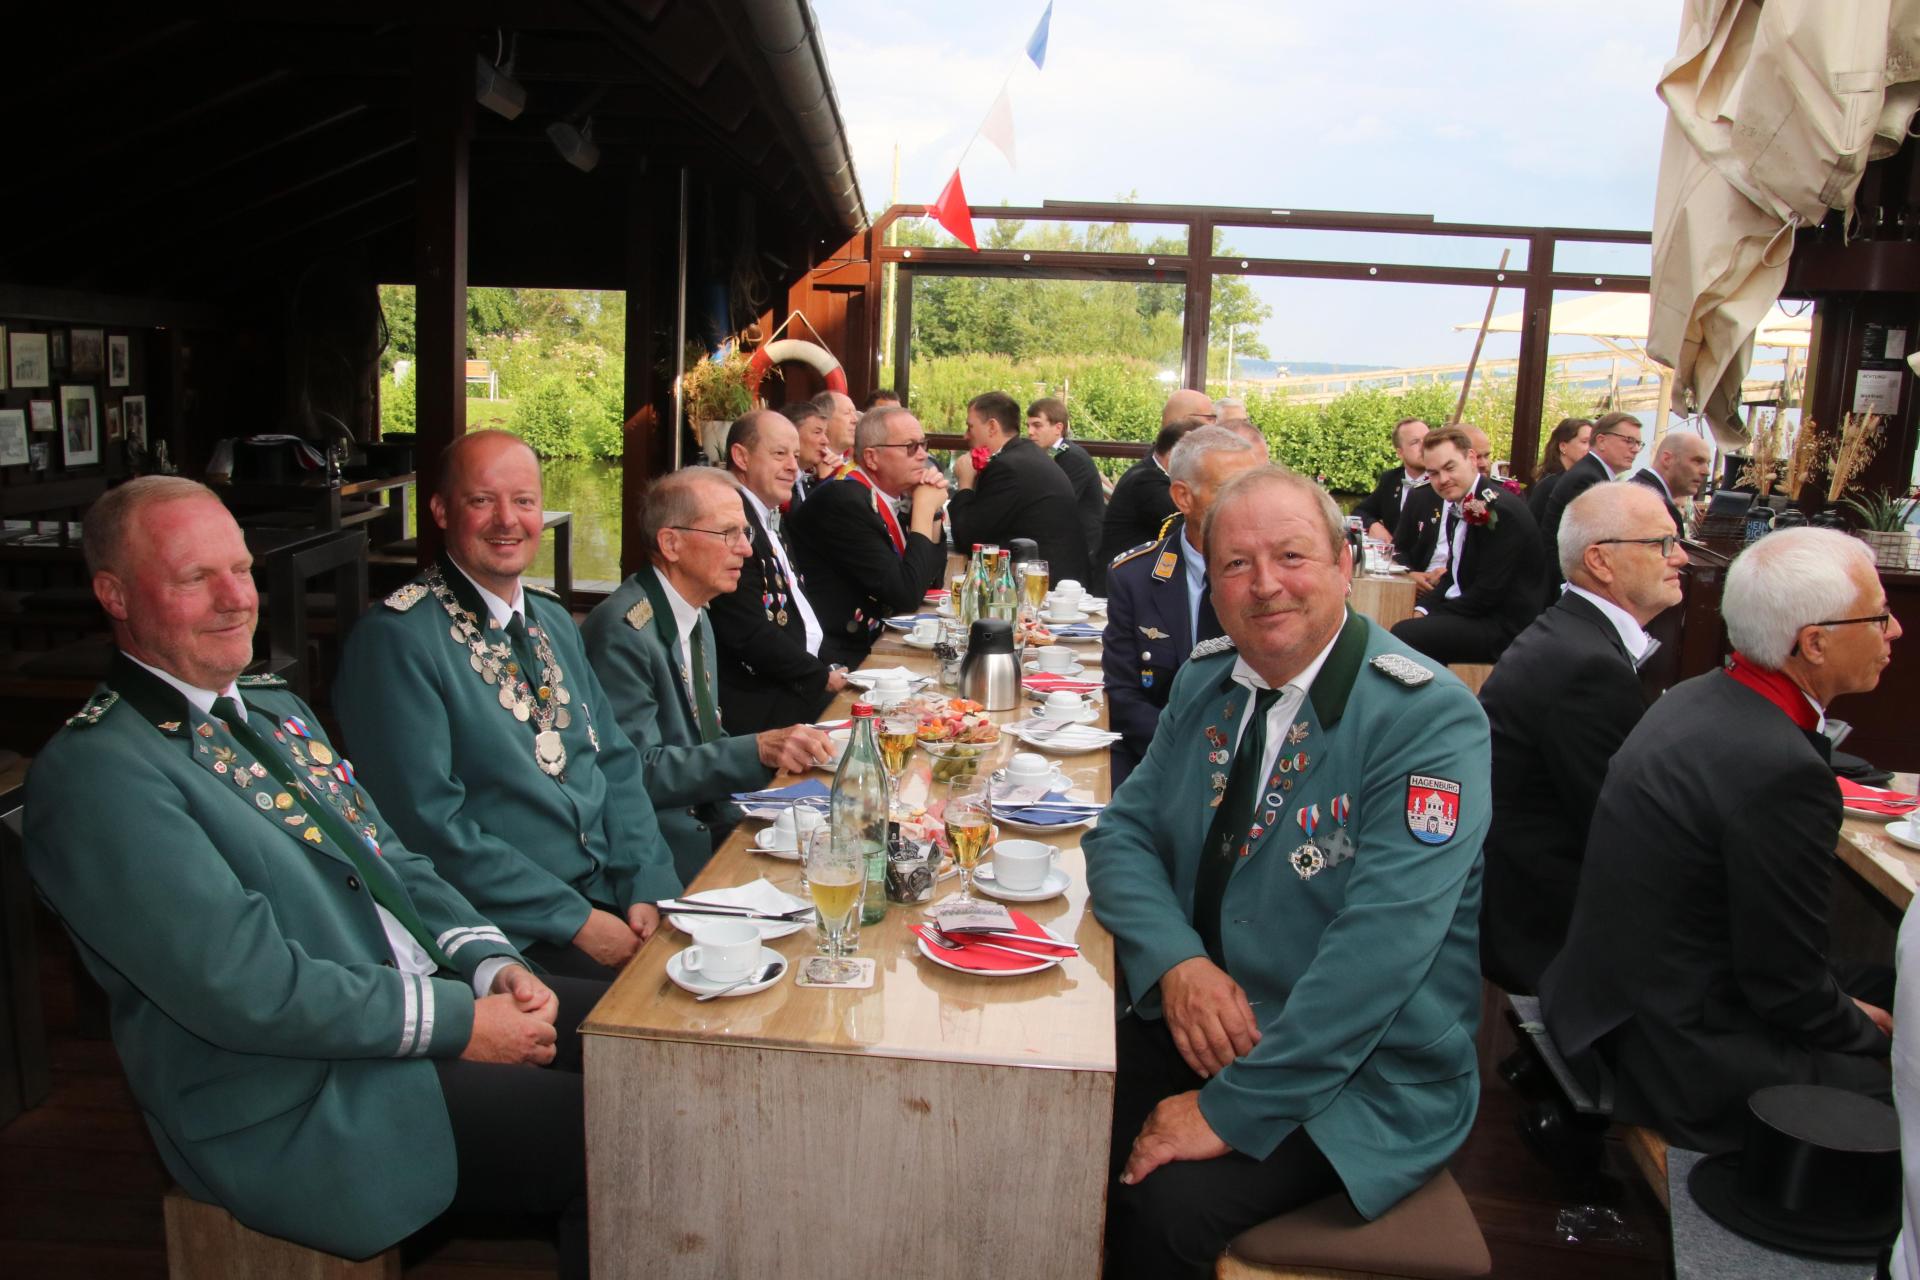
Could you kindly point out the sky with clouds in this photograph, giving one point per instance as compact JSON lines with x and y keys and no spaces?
{"x":1529,"y":112}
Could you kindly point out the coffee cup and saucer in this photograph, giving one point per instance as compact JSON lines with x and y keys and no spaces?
{"x":724,"y":952}
{"x":1022,"y":871}
{"x":925,"y":633}
{"x":1055,"y":660}
{"x":1065,"y":707}
{"x":782,"y":839}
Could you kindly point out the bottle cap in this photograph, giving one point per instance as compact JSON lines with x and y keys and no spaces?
{"x":862,"y":709}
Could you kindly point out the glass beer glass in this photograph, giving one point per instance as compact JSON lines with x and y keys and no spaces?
{"x":837,"y":875}
{"x":969,"y":823}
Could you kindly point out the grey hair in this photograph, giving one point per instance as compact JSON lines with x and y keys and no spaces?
{"x":1788,"y":580}
{"x":1184,"y":464}
{"x":871,"y":430}
{"x":1604,"y":511}
{"x":1272,"y":475}
{"x":674,"y":499}
{"x":103,"y":536}
{"x":1249,"y":431}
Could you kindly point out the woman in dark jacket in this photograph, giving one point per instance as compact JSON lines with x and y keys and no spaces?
{"x":1566,"y":446}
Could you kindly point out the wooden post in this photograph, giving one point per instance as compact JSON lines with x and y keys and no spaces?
{"x":642,"y":438}
{"x":1199,"y":308}
{"x":1530,"y":376}
{"x":443,"y":113}
{"x":1479,"y":340}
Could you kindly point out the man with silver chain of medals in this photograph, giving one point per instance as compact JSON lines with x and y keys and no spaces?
{"x":494,"y":743}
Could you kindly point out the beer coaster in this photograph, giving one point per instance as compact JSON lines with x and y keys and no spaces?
{"x":832,"y":971}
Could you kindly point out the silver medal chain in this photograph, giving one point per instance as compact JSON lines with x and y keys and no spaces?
{"x":491,"y":660}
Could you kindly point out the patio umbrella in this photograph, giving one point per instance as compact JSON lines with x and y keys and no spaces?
{"x":1623,"y":317}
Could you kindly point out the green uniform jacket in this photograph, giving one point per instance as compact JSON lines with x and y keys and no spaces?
{"x":278,"y":1056}
{"x":458,"y":773}
{"x":1363,"y":970}
{"x":640,"y":668}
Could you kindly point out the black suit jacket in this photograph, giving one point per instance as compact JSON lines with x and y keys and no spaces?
{"x":1574,"y":481}
{"x":1418,"y":528}
{"x":1383,"y":504}
{"x":1023,"y":494}
{"x":1560,"y":701}
{"x":1697,"y":957}
{"x":854,"y":577}
{"x":1538,"y":495}
{"x":1141,"y":502}
{"x":768,"y":680}
{"x":1090,"y":504}
{"x":1499,"y":570}
{"x":1646,"y":477}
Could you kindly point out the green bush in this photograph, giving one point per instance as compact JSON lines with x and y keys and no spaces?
{"x":398,"y":405}
{"x":564,"y":418}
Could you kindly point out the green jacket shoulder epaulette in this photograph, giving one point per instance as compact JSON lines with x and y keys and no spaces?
{"x":548,"y":592}
{"x":406,"y":597}
{"x":1208,"y":648}
{"x":89,"y":715}
{"x":262,"y":680}
{"x":640,"y":615}
{"x":1133,"y":553}
{"x":1401,"y":669}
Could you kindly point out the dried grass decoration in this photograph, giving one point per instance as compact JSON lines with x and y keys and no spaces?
{"x":1859,"y":441}
{"x":1808,"y":445}
{"x":1763,"y":461}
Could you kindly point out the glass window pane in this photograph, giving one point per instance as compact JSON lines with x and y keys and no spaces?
{"x":1383,"y":247}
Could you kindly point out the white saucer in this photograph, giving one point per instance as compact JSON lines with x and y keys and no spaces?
{"x":1049,"y":619}
{"x":689,"y":981}
{"x":1070,"y":747}
{"x":763,"y":843}
{"x":1074,"y":668}
{"x":912,"y":643}
{"x":1052,"y":887}
{"x":1088,"y":714}
{"x":939,"y":957}
{"x":1902,"y":831}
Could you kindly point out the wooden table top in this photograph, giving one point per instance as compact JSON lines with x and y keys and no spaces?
{"x":1889,"y":866}
{"x":1061,"y":1017}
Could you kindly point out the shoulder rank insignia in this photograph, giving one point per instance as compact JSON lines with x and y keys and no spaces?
{"x":406,"y":597}
{"x":1169,"y":561}
{"x":262,"y":680}
{"x":640,"y":615}
{"x":1401,"y":668}
{"x":1154,"y":633}
{"x":97,"y":706}
{"x":1133,"y":552}
{"x":1166,"y":526}
{"x":548,"y":592}
{"x":1207,"y":648}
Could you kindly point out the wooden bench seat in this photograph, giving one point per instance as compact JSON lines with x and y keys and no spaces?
{"x":205,"y":1242}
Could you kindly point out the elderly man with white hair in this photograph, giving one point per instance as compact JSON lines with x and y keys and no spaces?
{"x":1696,"y":962}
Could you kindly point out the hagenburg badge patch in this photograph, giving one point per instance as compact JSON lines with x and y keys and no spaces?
{"x":1433,"y":808}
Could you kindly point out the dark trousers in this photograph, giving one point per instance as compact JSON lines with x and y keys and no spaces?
{"x":569,"y":961}
{"x":519,"y":1135}
{"x":1448,"y":637}
{"x":1175,"y":1222}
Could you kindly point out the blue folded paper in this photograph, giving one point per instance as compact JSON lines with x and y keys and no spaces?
{"x":811,"y":789}
{"x":1055,"y":815}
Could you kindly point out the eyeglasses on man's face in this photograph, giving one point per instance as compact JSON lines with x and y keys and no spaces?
{"x":1618,"y":435}
{"x":911,"y":446}
{"x":1666,"y":544}
{"x":1880,"y":620}
{"x":733,"y":536}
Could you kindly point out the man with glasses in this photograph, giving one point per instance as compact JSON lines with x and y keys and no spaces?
{"x":1560,"y":701}
{"x":1696,"y":964}
{"x":652,"y":645}
{"x":488,"y":740}
{"x":1616,"y":443}
{"x":1019,"y":493}
{"x":1292,"y":881}
{"x":869,"y":545}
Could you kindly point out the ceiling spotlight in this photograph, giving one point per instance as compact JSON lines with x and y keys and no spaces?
{"x":497,"y":91}
{"x":575,"y":145}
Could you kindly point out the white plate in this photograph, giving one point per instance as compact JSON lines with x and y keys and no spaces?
{"x":769,"y":929}
{"x":912,"y":643}
{"x":1065,"y":745}
{"x":1052,"y":887}
{"x":1870,"y":815}
{"x":1903,"y":832}
{"x":786,"y":853}
{"x":939,"y":957}
{"x":1049,"y":620}
{"x":905,"y":621}
{"x":687,"y":980}
{"x":1074,"y":668}
{"x":1016,"y":824}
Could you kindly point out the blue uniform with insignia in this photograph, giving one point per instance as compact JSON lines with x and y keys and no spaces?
{"x":1148,"y":635}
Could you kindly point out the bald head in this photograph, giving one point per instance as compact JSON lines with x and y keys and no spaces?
{"x":1609,"y":545}
{"x":1482,"y":447}
{"x":1683,"y":460}
{"x":1187,"y":404}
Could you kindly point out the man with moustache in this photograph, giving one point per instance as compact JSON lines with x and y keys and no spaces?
{"x":323,"y":1035}
{"x":492,"y":743}
{"x":1560,"y":701}
{"x":1292,"y":881}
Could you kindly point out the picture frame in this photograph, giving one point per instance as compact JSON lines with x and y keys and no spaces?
{"x":3,"y":363}
{"x":89,"y":352}
{"x":119,"y":360}
{"x":133,"y":420}
{"x":57,"y":349}
{"x":42,"y":454}
{"x":40,"y":412}
{"x":113,"y":422}
{"x":27,"y":360}
{"x":13,"y":438}
{"x":80,"y":426}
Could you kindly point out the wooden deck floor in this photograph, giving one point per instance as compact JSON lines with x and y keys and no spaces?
{"x":80,"y":1186}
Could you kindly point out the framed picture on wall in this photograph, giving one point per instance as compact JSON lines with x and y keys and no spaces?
{"x":57,"y":349}
{"x":119,"y":361}
{"x":89,"y":353}
{"x":3,"y":364}
{"x":133,"y":419}
{"x":41,"y":414}
{"x":13,"y":438}
{"x":113,"y":423}
{"x":79,"y":426}
{"x":28,"y":359}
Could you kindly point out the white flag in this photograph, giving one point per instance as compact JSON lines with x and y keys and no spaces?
{"x":997,"y":128}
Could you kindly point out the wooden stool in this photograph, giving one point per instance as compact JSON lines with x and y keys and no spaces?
{"x":1472,"y":674}
{"x":204,"y":1242}
{"x":1431,"y":1235}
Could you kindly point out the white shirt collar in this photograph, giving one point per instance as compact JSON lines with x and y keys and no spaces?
{"x":759,"y":508}
{"x":202,"y":699}
{"x":499,"y":612}
{"x":1414,"y":481}
{"x":685,"y":616}
{"x":1632,"y":634}
{"x":1244,"y":674}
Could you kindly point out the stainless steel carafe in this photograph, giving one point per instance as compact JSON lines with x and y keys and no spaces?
{"x":990,"y":673}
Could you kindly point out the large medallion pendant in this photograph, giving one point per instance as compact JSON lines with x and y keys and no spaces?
{"x":550,"y":752}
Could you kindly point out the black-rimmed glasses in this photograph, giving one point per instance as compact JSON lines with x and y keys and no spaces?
{"x":1878,"y":619}
{"x":911,"y":446}
{"x":1665,"y":544}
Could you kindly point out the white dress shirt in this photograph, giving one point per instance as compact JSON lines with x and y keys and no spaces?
{"x":499,"y":612}
{"x":1454,"y":551}
{"x":809,"y":621}
{"x":1632,"y":634}
{"x":685,"y":618}
{"x":1438,"y":560}
{"x":1196,"y":562}
{"x":1280,"y":714}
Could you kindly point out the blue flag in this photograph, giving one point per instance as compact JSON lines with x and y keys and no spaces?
{"x":1037,"y":42}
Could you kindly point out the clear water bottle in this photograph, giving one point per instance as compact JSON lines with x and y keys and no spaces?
{"x":857,"y":814}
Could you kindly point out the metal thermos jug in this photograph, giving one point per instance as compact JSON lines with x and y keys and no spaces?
{"x":990,"y":673}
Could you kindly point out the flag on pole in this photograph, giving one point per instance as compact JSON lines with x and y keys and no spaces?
{"x":951,"y":212}
{"x":1037,"y":42}
{"x":997,"y":128}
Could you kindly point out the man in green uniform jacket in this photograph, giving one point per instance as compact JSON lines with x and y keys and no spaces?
{"x":290,"y":985}
{"x":1299,"y":931}
{"x":651,"y":644}
{"x":490,"y":740}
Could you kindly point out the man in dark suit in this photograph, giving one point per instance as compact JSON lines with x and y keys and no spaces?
{"x":1047,"y":427}
{"x":1019,"y":493}
{"x":1140,"y":504}
{"x":862,"y":557}
{"x":1616,"y":442}
{"x":1681,"y":461}
{"x":768,"y":633}
{"x":1561,"y":700}
{"x":1492,"y":585}
{"x":1381,"y":508}
{"x":1697,"y":959}
{"x":814,"y":454}
{"x":1157,"y":595}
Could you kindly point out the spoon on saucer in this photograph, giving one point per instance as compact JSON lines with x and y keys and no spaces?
{"x":761,"y":974}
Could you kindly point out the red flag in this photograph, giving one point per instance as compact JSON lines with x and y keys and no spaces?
{"x":951,"y":212}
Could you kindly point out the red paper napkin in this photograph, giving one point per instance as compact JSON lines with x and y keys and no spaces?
{"x":1047,"y":682}
{"x":973,"y":956}
{"x":1892,"y":804}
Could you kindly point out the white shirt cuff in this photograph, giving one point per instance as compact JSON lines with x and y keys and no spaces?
{"x":488,"y":970}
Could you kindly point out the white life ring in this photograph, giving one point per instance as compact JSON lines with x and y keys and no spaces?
{"x":814,"y":356}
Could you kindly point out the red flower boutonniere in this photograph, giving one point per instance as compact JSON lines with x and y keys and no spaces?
{"x":980,"y":457}
{"x":1511,"y":485}
{"x":1478,"y":510}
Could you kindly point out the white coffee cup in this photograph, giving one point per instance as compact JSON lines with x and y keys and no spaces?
{"x":1060,"y":609}
{"x":1064,"y":705}
{"x":725,"y":950}
{"x":890,"y":686}
{"x":1029,"y":768}
{"x":1054,"y":658}
{"x":783,"y":834}
{"x":1021,"y":865}
{"x":1069,"y":589}
{"x":926,"y":630}
{"x":839,"y":738}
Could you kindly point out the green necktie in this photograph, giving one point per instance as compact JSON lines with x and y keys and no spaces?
{"x":703,"y":687}
{"x":1231,"y":822}
{"x":378,"y":880}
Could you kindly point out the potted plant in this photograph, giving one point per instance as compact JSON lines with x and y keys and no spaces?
{"x":1883,"y":520}
{"x":715,"y":392}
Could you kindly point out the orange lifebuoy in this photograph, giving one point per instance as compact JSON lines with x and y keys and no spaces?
{"x":814,"y":356}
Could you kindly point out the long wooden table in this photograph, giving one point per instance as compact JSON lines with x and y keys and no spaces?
{"x":1889,"y":868}
{"x":939,"y":1125}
